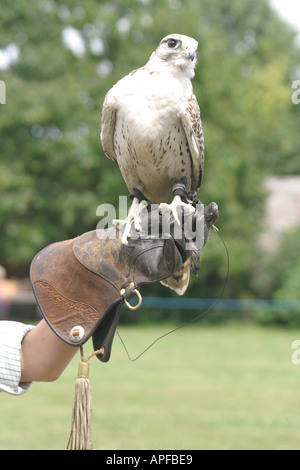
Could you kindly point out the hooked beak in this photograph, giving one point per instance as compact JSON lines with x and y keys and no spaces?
{"x":189,"y":55}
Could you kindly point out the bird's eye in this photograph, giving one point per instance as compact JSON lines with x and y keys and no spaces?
{"x":172,"y":43}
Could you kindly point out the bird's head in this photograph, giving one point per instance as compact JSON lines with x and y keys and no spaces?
{"x":179,"y":51}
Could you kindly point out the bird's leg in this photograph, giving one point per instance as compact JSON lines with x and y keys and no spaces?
{"x":134,"y":215}
{"x":193,"y":199}
{"x":179,"y":200}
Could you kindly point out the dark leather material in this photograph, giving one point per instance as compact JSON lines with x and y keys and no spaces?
{"x":82,"y":283}
{"x":141,"y":261}
{"x":85,"y":281}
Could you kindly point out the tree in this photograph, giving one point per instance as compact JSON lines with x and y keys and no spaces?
{"x":53,"y":173}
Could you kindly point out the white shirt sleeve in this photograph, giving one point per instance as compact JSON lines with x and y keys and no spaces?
{"x":11,"y":336}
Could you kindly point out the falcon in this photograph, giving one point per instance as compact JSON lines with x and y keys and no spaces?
{"x":151,"y":127}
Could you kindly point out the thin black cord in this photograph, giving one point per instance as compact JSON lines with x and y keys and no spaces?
{"x":197,"y":317}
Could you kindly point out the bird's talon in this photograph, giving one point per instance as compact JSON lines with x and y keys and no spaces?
{"x":134,"y":216}
{"x":175,"y":204}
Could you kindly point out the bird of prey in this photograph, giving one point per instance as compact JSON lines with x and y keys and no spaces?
{"x":151,"y":127}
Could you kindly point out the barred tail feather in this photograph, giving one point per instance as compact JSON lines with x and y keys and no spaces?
{"x":179,"y":281}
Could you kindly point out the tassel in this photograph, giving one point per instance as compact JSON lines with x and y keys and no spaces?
{"x":82,"y":412}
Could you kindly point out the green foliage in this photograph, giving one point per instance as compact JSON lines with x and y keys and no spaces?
{"x":53,"y":172}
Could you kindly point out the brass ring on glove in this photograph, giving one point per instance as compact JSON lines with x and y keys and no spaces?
{"x":135,"y":307}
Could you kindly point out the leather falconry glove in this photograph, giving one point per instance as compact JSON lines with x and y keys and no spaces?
{"x":81,"y":284}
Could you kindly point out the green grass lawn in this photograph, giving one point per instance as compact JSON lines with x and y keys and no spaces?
{"x":216,"y":387}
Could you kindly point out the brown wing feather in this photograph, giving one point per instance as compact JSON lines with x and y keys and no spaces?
{"x":108,"y":121}
{"x":192,"y":125}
